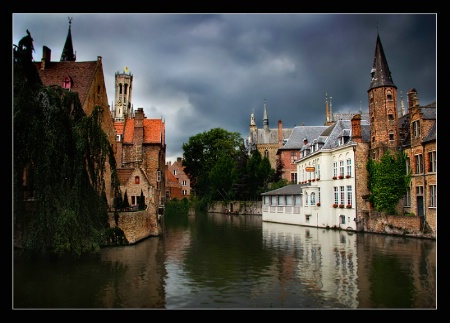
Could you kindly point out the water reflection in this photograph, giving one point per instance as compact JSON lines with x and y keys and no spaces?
{"x":324,"y":262}
{"x":212,"y":260}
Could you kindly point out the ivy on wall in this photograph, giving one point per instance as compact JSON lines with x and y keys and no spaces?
{"x":388,"y":181}
{"x":64,"y":154}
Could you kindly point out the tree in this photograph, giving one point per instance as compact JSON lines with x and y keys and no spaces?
{"x":201,"y":153}
{"x":126,"y":203}
{"x":64,"y":152}
{"x":221,"y":179}
{"x":142,"y":201}
{"x":388,"y":181}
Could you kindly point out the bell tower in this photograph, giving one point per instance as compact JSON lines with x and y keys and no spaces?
{"x":123,"y":90}
{"x":383,"y":107}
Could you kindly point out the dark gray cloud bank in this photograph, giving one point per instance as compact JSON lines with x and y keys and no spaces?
{"x":201,"y":71}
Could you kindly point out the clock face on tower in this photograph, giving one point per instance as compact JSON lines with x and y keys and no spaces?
{"x":119,"y":102}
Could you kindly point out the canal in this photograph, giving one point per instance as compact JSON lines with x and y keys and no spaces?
{"x":218,"y":261}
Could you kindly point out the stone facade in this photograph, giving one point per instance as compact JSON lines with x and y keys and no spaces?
{"x":137,"y":225}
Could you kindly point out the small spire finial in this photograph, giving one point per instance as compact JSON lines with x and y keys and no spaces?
{"x":70,"y":20}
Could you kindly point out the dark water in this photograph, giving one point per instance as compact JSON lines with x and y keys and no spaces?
{"x":217,"y":261}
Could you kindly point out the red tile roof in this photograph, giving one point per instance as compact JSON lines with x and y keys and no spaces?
{"x":154,"y":130}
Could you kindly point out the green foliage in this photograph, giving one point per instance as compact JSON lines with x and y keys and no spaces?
{"x":63,"y":153}
{"x":388,"y":181}
{"x":203,"y":151}
{"x":281,"y":183}
{"x":177,"y":208}
{"x":220,"y":168}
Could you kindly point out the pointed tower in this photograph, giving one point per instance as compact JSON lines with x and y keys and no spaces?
{"x":123,"y":90}
{"x":253,"y":128}
{"x":328,"y":113}
{"x":383,"y":109}
{"x":266,"y":118}
{"x":67,"y":53}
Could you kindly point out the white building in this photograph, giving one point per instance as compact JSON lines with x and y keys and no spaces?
{"x":325,"y":195}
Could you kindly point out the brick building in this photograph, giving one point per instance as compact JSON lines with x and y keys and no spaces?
{"x":87,"y":79}
{"x":331,"y":168}
{"x":141,"y":148}
{"x":177,"y":170}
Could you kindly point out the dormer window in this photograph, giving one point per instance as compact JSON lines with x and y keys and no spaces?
{"x":136,"y":180}
{"x":67,"y":83}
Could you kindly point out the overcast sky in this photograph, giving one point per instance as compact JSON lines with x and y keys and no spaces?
{"x":202,"y":71}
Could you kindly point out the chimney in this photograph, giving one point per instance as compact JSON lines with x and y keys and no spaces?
{"x":139,"y":118}
{"x":280,"y":133}
{"x":179,"y":159}
{"x":356,"y":128}
{"x":413,"y":99}
{"x":46,"y":57}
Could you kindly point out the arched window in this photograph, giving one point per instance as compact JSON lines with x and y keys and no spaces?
{"x":313,"y":198}
{"x":136,"y":180}
{"x":67,"y":83}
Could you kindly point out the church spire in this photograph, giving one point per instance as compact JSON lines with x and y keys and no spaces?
{"x":67,"y":53}
{"x":381,"y":75}
{"x":266,"y":118}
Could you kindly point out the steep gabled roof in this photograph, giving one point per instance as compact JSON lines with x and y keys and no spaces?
{"x":431,"y":135}
{"x":299,"y":133}
{"x":343,"y":127}
{"x":81,"y":74}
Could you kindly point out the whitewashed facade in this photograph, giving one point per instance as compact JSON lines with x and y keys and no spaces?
{"x":325,"y":193}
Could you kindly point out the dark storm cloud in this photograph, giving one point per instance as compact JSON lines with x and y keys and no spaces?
{"x":200,"y":71}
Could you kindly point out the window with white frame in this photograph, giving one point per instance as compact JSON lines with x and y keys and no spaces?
{"x":294,"y":178}
{"x":184,"y":183}
{"x":416,"y":129}
{"x":281,"y":200}
{"x":306,"y":199}
{"x":342,"y":191}
{"x":184,"y":192}
{"x":313,"y":198}
{"x":298,"y":200}
{"x":289,"y":200}
{"x":293,"y":156}
{"x":318,"y":193}
{"x":341,"y":168}
{"x":349,"y":195}
{"x":419,"y":190}
{"x":336,"y":195}
{"x":318,"y":170}
{"x":335,"y":169}
{"x":408,"y":165}
{"x":432,"y":161}
{"x":433,"y":195}
{"x":349,"y":167}
{"x":342,"y":219}
{"x":408,"y":197}
{"x":273,"y":200}
{"x":419,"y":167}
